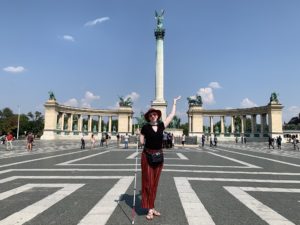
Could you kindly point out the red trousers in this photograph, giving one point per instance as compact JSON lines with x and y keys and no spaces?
{"x":150,"y":178}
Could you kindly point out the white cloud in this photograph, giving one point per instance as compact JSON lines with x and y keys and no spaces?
{"x":133,"y":95}
{"x":68,"y":38}
{"x":96,"y":21}
{"x":247,"y":103}
{"x":214,"y":85}
{"x":14,"y":69}
{"x":207,"y":95}
{"x":72,"y":102}
{"x":89,"y":97}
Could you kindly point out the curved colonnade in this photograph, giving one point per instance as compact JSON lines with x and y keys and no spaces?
{"x":270,"y":121}
{"x":66,"y":122}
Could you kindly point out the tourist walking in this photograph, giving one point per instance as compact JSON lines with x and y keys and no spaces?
{"x":30,"y":139}
{"x":106,"y":139}
{"x":215,"y":141}
{"x":82,"y":143}
{"x":295,"y":143}
{"x":126,"y":140}
{"x":271,"y":142}
{"x":102,"y":139}
{"x":93,"y":141}
{"x":279,"y":140}
{"x":183,"y":139}
{"x":152,"y":136}
{"x":118,"y":139}
{"x":210,"y":141}
{"x":9,"y":139}
{"x":203,"y":140}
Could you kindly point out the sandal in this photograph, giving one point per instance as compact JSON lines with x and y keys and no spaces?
{"x":150,"y":215}
{"x":155,"y":213}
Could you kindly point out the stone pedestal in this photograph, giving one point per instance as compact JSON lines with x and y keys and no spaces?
{"x":275,"y":119}
{"x":196,"y":121}
{"x":125,"y":119}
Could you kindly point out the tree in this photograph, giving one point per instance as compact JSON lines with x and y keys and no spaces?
{"x":35,"y":123}
{"x":185,"y":128}
{"x":7,"y":112}
{"x":8,"y":121}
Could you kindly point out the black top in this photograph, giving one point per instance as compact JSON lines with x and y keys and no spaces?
{"x":153,"y":140}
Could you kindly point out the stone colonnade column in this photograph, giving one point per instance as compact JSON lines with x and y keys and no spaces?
{"x":262,"y":124}
{"x":70,"y":122}
{"x":222,"y":126}
{"x":80,"y":122}
{"x":90,"y":123}
{"x":109,"y":124}
{"x":99,"y":124}
{"x":211,"y":119}
{"x":190,"y":123}
{"x":62,"y":121}
{"x":242,"y":125}
{"x":232,"y":126}
{"x":253,"y":125}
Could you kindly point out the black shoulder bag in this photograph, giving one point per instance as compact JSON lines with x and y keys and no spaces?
{"x":156,"y":158}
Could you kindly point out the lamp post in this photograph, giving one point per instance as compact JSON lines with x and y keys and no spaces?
{"x":18,"y":122}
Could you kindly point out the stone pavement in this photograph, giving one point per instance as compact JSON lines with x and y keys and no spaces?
{"x":231,"y":184}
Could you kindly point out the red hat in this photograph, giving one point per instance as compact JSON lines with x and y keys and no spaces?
{"x":151,"y":110}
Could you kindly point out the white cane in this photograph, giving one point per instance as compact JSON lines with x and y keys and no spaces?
{"x":135,"y":172}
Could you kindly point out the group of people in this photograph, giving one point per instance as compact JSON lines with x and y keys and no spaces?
{"x":168,"y":140}
{"x":276,"y":140}
{"x":9,"y":138}
{"x":104,"y":139}
{"x":213,"y":140}
{"x":243,"y":140}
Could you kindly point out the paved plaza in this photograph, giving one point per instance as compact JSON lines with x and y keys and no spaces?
{"x":231,"y":184}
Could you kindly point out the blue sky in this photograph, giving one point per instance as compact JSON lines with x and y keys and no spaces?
{"x":234,"y":53}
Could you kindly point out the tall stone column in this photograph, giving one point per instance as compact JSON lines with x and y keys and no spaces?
{"x":109,"y":124}
{"x":62,"y":121}
{"x":190,"y":123}
{"x":159,"y":101}
{"x":99,"y":124}
{"x":90,"y":123}
{"x":222,"y":118}
{"x":262,"y":124}
{"x":211,"y":124}
{"x":253,"y":125}
{"x":232,"y":126}
{"x":242,"y":126}
{"x":70,"y":122}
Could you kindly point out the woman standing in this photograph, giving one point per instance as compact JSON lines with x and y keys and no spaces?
{"x":152,"y":137}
